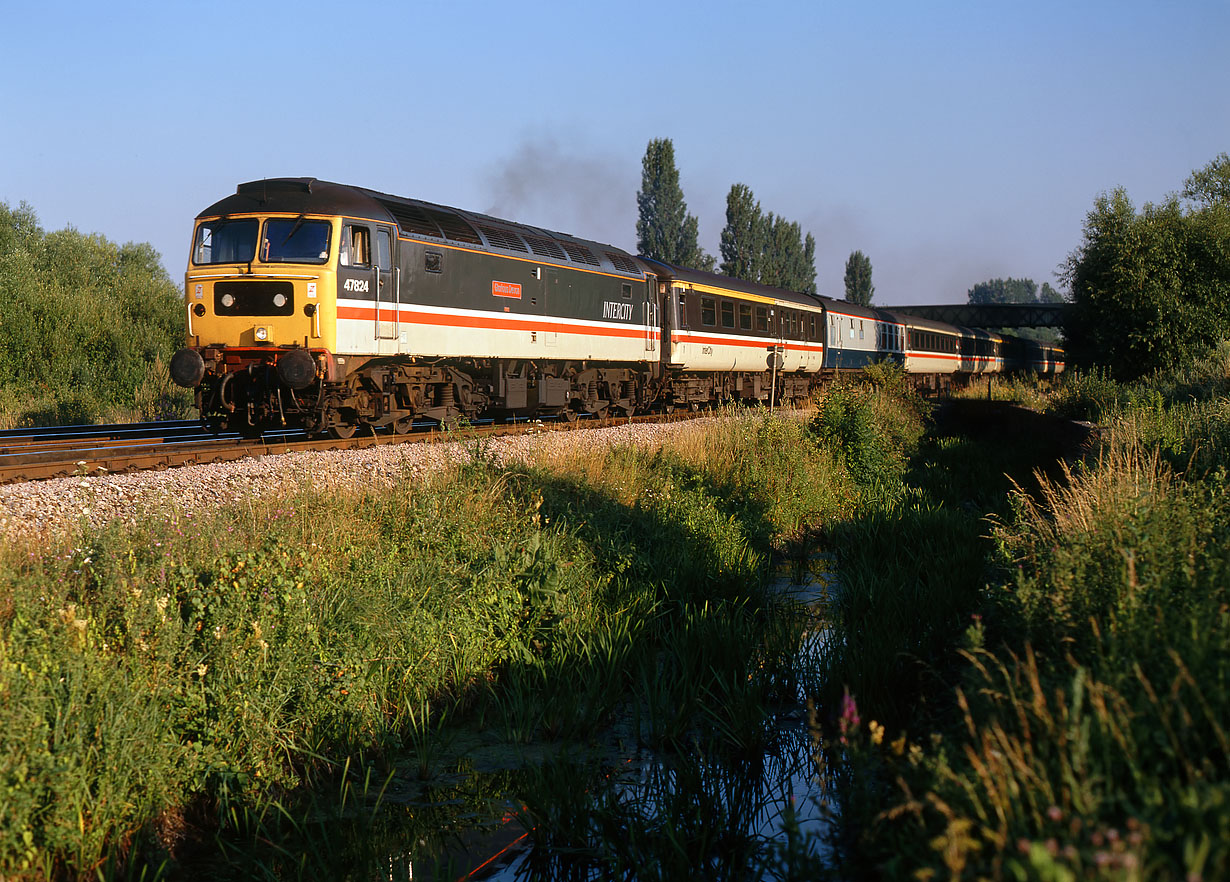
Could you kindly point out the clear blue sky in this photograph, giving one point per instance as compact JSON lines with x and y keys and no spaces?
{"x":950,"y":141}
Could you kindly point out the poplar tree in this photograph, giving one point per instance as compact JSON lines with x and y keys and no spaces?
{"x":743,"y":237}
{"x":664,"y":229}
{"x":766,"y":248}
{"x":858,"y":279}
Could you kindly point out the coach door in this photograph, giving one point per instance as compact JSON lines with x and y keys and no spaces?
{"x":386,"y":278}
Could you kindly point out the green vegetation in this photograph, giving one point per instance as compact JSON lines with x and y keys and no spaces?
{"x":1151,"y":289}
{"x":859,"y":288}
{"x":1053,"y":707}
{"x":86,"y":327}
{"x":765,"y":248}
{"x":664,"y":229}
{"x":213,"y":677}
{"x":1013,"y":291}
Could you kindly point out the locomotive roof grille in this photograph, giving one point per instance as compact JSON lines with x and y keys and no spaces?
{"x":622,"y":262}
{"x":454,"y":226}
{"x":580,"y":253}
{"x":503,"y":239}
{"x":546,"y":247}
{"x":426,"y":220}
{"x":412,"y":219}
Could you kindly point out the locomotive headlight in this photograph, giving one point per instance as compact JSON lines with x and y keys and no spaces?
{"x":279,"y":300}
{"x":228,"y":300}
{"x":262,"y":334}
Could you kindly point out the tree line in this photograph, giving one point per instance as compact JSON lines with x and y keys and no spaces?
{"x":1151,"y":287}
{"x":756,"y":246}
{"x":86,"y":327}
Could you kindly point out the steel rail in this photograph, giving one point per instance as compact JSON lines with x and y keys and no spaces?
{"x":100,"y":456}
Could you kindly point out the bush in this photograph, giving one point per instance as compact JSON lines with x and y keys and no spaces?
{"x":83,"y":325}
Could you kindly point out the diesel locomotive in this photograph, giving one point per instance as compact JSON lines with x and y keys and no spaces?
{"x":329,"y":307}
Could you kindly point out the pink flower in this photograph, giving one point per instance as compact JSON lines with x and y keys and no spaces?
{"x":848,"y":721}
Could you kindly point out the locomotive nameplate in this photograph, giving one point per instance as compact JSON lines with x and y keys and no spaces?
{"x":506,"y":289}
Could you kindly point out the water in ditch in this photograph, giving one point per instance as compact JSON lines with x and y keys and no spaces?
{"x":479,"y":807}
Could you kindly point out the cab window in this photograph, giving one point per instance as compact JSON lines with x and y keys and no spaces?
{"x":356,"y":247}
{"x":295,"y":240}
{"x":225,"y":241}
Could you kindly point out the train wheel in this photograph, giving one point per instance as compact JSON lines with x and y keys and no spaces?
{"x":403,"y":425}
{"x":342,"y":431}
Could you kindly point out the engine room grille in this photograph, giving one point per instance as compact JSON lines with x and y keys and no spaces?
{"x":580,"y":253}
{"x":545,"y":247}
{"x":454,"y":226}
{"x":412,"y":219}
{"x":503,"y":239}
{"x":623,"y":262}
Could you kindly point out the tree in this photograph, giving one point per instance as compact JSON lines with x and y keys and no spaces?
{"x":766,"y":248}
{"x":1150,"y":289}
{"x":664,"y":229}
{"x":84,"y":323}
{"x":1004,"y":291}
{"x":858,"y":279}
{"x":1049,"y":294}
{"x":1210,"y":185}
{"x":743,"y":237}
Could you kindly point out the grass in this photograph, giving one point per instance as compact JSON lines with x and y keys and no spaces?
{"x":1077,"y":729}
{"x":210,"y":677}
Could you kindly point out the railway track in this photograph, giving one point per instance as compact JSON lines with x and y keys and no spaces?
{"x":69,"y":451}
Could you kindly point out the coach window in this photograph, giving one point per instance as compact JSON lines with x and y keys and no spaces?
{"x":683,"y":308}
{"x":433,"y":262}
{"x":708,"y":311}
{"x":762,"y":318}
{"x":860,"y":329}
{"x":745,"y":316}
{"x":626,"y":291}
{"x":728,"y":314}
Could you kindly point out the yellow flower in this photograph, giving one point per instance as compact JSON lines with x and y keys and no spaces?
{"x":877,"y":732}
{"x":898,"y":745}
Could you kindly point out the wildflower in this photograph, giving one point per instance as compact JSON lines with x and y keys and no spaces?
{"x":1055,"y":813}
{"x":848,"y":721}
{"x":877,"y":732}
{"x":201,"y":669}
